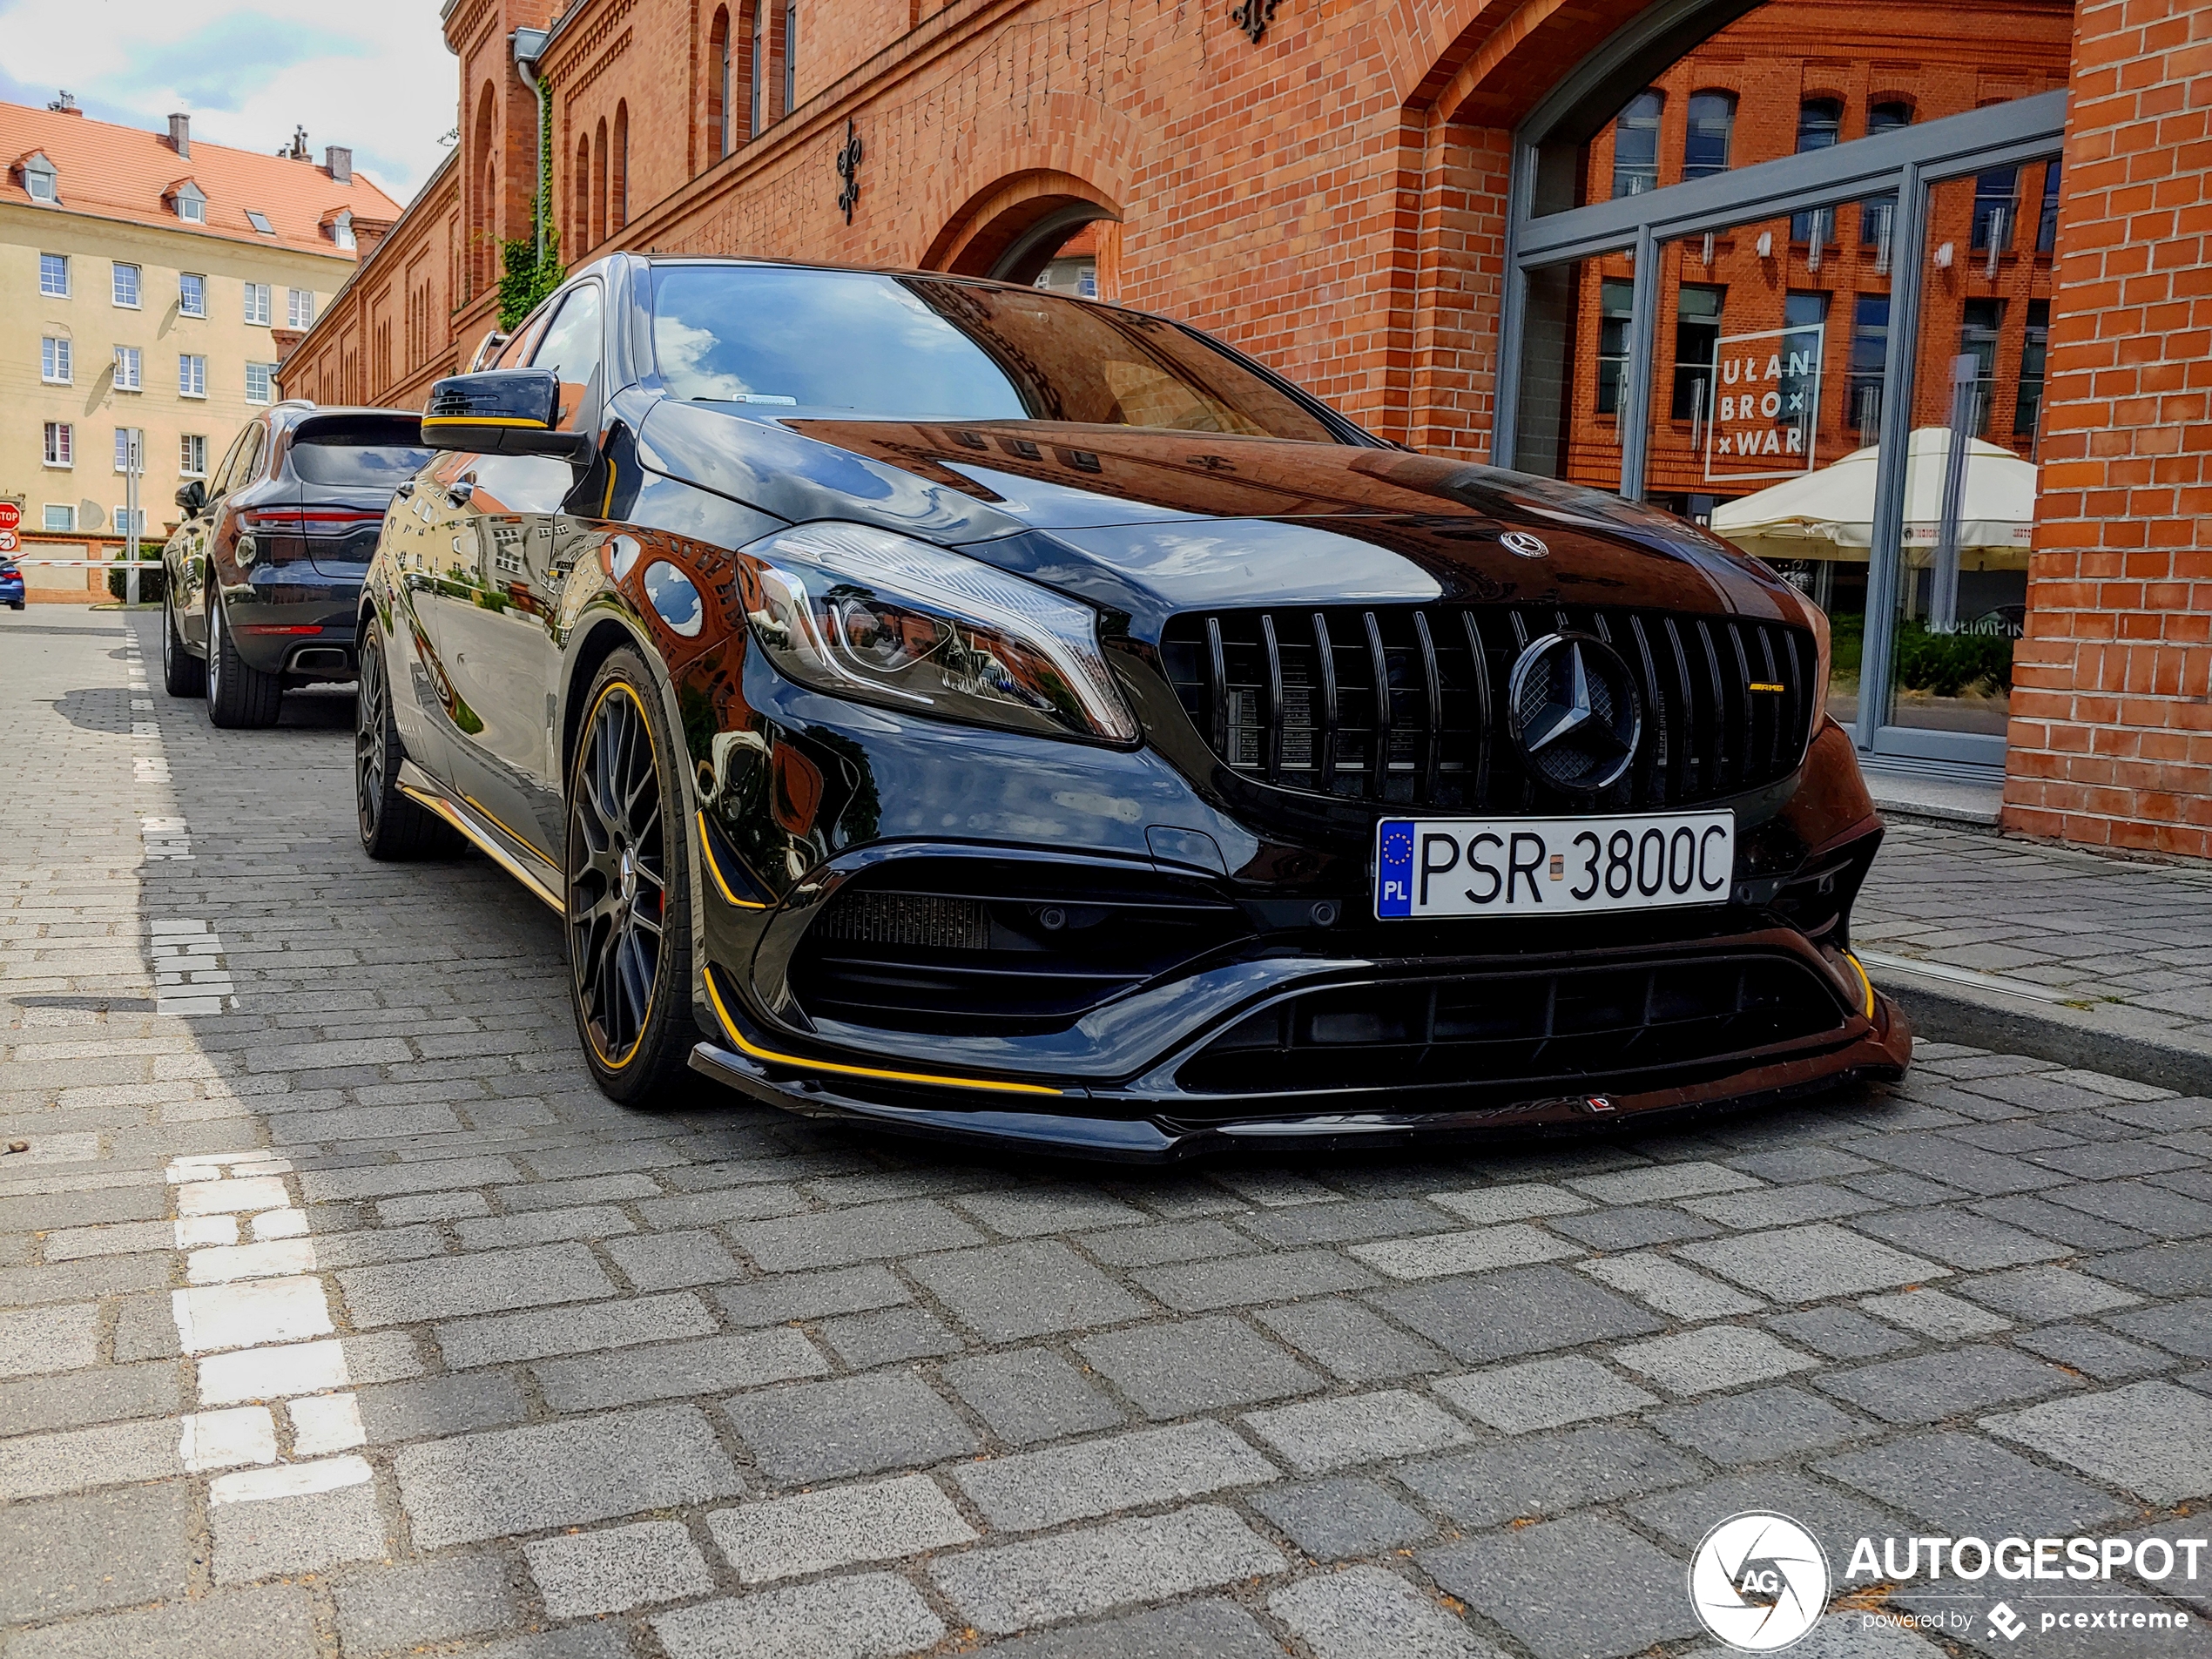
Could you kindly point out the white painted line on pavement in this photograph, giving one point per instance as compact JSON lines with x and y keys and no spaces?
{"x":290,"y":1480}
{"x":224,"y":1440}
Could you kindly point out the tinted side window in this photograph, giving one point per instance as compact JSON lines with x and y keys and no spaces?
{"x":572,"y":348}
{"x":225,"y":476}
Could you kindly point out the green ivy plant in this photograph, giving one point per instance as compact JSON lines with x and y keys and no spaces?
{"x":525,"y":277}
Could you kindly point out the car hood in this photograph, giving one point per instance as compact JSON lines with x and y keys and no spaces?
{"x":1150,"y":521}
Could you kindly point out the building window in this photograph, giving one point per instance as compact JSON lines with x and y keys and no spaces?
{"x":61,"y":444}
{"x":1635,"y":146}
{"x":1980,"y":323}
{"x":1820,"y":122}
{"x":192,"y":295}
{"x":53,"y":275}
{"x":1697,"y":347}
{"x":2027,"y":412}
{"x":259,"y":221}
{"x":618,"y":178}
{"x":1877,"y":214}
{"x":2047,"y":222}
{"x":127,"y":368}
{"x":1806,"y":310}
{"x":259,"y":378}
{"x":298,"y":309}
{"x":1869,"y":353}
{"x":791,"y":56}
{"x":341,"y":228}
{"x":1996,"y":194}
{"x":191,"y":207}
{"x":191,"y":376}
{"x":130,"y":445}
{"x":59,"y":516}
{"x":1615,"y":300}
{"x":257,"y":304}
{"x":192,"y":461}
{"x":40,"y":181}
{"x":717,"y":87}
{"x":54,"y":365}
{"x":127,"y":285}
{"x":124,"y":526}
{"x":1705,"y":143}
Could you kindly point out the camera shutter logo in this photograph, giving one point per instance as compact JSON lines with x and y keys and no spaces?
{"x":1758,"y":1582}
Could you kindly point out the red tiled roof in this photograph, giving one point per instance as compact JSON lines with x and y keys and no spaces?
{"x":121,"y":172}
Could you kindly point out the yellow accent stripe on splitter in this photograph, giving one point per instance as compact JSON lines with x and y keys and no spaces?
{"x":484,"y":420}
{"x":714,"y":869}
{"x":1866,"y":984}
{"x":730,"y":1028}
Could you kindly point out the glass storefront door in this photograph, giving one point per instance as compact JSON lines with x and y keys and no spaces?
{"x":1784,"y":323}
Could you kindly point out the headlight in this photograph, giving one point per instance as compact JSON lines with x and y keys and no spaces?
{"x":868,"y":614}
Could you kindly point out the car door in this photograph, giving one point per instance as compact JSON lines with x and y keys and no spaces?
{"x":190,"y":569}
{"x":495,"y":616}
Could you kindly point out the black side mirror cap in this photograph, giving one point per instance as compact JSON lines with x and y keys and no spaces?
{"x":504,"y":412}
{"x":191,"y":495}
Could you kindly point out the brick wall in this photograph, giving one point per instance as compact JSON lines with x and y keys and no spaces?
{"x":2112,"y":722}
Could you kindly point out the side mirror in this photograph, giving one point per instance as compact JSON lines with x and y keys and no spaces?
{"x":191,"y":495}
{"x":505,"y":412}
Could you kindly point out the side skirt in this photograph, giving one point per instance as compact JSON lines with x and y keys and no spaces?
{"x":418,"y":784}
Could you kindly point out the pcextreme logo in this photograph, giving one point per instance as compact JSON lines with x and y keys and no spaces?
{"x":1758,"y":1581}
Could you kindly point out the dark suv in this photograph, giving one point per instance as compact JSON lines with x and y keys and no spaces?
{"x":264,"y":573}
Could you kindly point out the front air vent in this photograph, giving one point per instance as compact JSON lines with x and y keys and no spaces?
{"x":1405,"y":705}
{"x":923,"y":919}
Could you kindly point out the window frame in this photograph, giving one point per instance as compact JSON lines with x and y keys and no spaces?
{"x":137,"y":301}
{"x":65,"y":432}
{"x":192,"y":375}
{"x":183,"y":310}
{"x":268,"y":371}
{"x":299,"y":307}
{"x":259,"y":305}
{"x":66,"y":508}
{"x":137,"y":360}
{"x":61,"y":260}
{"x":184,"y":469}
{"x":58,"y":366}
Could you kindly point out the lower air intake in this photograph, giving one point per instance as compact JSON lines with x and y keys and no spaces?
{"x":1569,"y":1028}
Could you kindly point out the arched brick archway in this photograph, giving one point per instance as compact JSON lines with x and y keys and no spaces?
{"x":1066,"y":155}
{"x":1012,"y":229}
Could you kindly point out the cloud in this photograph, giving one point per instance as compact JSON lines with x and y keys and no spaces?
{"x":377,"y":78}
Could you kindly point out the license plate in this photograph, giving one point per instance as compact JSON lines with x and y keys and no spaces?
{"x":1551,"y":866}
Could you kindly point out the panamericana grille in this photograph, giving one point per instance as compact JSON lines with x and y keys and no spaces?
{"x":1569,"y":1027}
{"x":1407,"y":704}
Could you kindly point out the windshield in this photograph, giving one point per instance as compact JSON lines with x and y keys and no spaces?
{"x":926,"y":348}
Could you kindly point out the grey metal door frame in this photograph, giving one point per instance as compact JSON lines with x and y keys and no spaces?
{"x":1906,"y":163}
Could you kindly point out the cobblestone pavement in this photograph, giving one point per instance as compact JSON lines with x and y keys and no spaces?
{"x":2103,"y":930}
{"x":339,"y":1315}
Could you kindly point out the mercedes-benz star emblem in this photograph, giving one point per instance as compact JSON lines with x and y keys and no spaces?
{"x":1574,"y":712}
{"x":1521,"y":542}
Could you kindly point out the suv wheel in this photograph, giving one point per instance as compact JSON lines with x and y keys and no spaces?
{"x":394,"y":825}
{"x":182,"y":673}
{"x":238,"y":694}
{"x":629,"y":911}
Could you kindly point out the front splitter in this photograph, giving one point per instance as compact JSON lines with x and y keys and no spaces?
{"x":1881,"y":1052}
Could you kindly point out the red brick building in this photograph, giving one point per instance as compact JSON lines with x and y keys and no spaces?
{"x":1361,"y":198}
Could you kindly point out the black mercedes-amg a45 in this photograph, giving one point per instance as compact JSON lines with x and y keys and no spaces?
{"x":972,"y":710}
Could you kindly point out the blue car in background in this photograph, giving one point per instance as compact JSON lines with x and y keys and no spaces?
{"x":11,"y":593}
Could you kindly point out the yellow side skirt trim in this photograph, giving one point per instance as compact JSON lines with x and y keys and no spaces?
{"x":714,"y":869}
{"x":730,"y":1028}
{"x":491,"y":849}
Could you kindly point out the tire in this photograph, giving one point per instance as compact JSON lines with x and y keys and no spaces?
{"x":628,"y":917}
{"x":394,"y":825}
{"x":182,"y":673}
{"x":238,"y":694}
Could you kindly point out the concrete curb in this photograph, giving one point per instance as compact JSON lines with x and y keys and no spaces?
{"x":2110,"y":1037}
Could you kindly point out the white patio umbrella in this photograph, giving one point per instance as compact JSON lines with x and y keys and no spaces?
{"x":1830,"y":514}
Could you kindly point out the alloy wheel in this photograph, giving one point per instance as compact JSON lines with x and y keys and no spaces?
{"x":371,"y":710}
{"x":617,"y":902}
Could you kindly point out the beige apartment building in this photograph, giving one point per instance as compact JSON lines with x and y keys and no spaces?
{"x":149,"y":285}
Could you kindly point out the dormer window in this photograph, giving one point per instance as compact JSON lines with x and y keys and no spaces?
{"x":259,"y":221}
{"x":341,"y":228}
{"x":189,"y":202}
{"x":41,"y":181}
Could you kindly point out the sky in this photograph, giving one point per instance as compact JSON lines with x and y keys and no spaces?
{"x":376,"y":77}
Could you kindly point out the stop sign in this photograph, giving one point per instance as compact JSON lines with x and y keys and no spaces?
{"x":10,"y":515}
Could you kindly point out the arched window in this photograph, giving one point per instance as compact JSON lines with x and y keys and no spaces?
{"x":484,"y":215}
{"x":580,"y":195}
{"x":599,"y":184}
{"x":618,"y":176}
{"x":791,"y":56}
{"x":1705,"y":142}
{"x":1636,"y":145}
{"x":718,"y":86}
{"x":1820,"y":122}
{"x":758,"y":99}
{"x":1877,"y":214}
